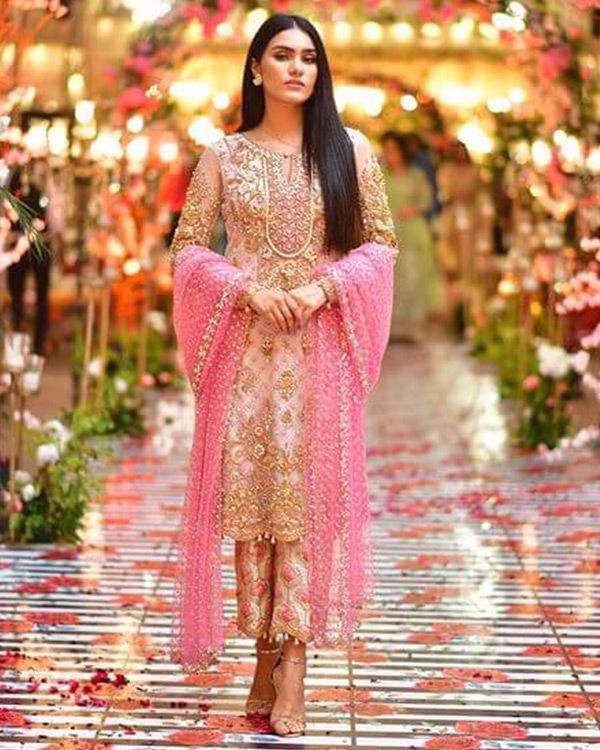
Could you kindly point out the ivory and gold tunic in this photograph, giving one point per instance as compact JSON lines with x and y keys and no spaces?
{"x":262,"y":460}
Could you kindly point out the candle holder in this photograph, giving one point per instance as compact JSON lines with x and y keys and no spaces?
{"x":94,"y":285}
{"x":32,"y":376}
{"x":16,"y":350}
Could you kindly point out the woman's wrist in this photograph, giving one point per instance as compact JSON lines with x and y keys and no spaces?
{"x":328,"y":289}
{"x":247,"y":294}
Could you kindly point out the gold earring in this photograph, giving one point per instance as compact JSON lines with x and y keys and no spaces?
{"x":257,"y":80}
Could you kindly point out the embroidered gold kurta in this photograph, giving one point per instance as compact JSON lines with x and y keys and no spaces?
{"x":262,"y":462}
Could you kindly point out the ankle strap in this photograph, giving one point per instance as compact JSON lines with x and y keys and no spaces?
{"x":268,"y":650}
{"x":294,"y":661}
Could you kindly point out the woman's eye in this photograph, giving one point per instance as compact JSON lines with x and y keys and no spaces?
{"x":310,"y":60}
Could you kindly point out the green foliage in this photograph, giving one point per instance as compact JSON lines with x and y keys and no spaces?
{"x":26,"y":219}
{"x":62,"y":490}
{"x":543,"y":414}
{"x":544,"y":417}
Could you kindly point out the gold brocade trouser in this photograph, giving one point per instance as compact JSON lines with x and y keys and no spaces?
{"x":272,"y":589}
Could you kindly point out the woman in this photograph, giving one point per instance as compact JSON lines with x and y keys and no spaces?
{"x":417,"y":280}
{"x":282,"y":340}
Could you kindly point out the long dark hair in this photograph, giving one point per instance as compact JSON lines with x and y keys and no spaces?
{"x":326,"y":144}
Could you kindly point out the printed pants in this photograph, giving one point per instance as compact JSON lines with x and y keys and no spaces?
{"x":272,"y":589}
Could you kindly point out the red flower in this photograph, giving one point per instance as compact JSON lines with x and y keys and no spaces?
{"x":492,"y":730}
{"x":12,"y":719}
{"x":201,"y":737}
{"x":453,"y":742}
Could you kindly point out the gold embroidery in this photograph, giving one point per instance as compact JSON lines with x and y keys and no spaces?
{"x":201,"y":208}
{"x":287,"y":383}
{"x":377,"y":221}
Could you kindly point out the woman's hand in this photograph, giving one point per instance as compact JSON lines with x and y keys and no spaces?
{"x":309,"y":299}
{"x":279,"y":307}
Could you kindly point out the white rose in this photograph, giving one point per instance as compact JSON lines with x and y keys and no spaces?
{"x":157,"y":320}
{"x":28,"y":492}
{"x":22,"y":477}
{"x":47,"y":454}
{"x":580,"y":361}
{"x":57,"y":430}
{"x":95,"y":367}
{"x":120,"y":385}
{"x":554,"y":361}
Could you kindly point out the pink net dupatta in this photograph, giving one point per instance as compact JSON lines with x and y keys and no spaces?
{"x":346,"y":347}
{"x":211,"y":333}
{"x":344,"y":351}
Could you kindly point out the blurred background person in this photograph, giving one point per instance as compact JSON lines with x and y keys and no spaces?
{"x":23,"y":186}
{"x":418,"y":284}
{"x":465,"y":235}
{"x":421,"y":156}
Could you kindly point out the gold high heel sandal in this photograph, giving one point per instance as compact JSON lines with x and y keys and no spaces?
{"x":295,"y":726}
{"x":260,"y":707}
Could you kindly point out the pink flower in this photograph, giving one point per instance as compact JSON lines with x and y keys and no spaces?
{"x":195,"y":11}
{"x":592,"y":382}
{"x":147,"y":380}
{"x":531,"y":382}
{"x":133,"y":98}
{"x":140,"y":65}
{"x":554,"y":61}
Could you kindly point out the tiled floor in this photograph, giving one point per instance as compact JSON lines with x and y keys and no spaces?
{"x":485,"y":632}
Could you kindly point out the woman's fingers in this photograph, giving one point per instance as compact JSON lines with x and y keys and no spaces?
{"x":279,"y":319}
{"x":295,"y":309}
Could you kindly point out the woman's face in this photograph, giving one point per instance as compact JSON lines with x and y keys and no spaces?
{"x":392,"y":154}
{"x":289,"y":67}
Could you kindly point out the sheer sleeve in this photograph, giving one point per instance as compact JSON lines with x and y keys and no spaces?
{"x":376,"y":216}
{"x":202,"y":204}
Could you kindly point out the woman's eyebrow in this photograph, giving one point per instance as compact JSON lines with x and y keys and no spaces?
{"x":291,"y":49}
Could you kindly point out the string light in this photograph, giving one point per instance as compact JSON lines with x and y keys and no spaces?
{"x":76,"y":86}
{"x":475,"y":138}
{"x":254,"y":19}
{"x":135,"y":124}
{"x":372,"y":32}
{"x":408,"y":102}
{"x":402,"y":32}
{"x":541,"y":154}
{"x":342,"y":32}
{"x":221,"y":100}
{"x":85,"y":111}
{"x":137,"y":149}
{"x":462,"y":31}
{"x":431,"y":31}
{"x":202,"y":131}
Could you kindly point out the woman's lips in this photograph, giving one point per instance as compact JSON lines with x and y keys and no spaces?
{"x":295,"y":84}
